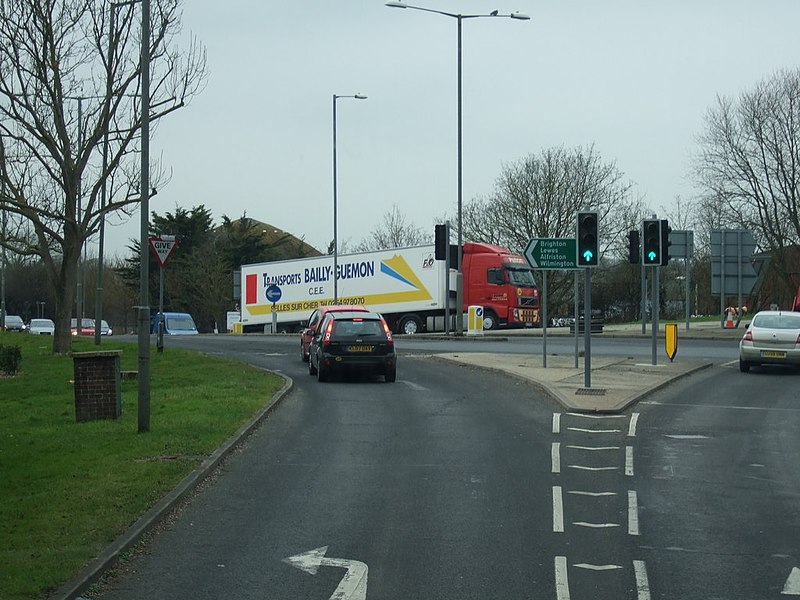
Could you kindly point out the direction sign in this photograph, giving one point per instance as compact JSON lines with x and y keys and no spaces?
{"x":551,"y":253}
{"x":162,"y":248}
{"x":273,"y":293}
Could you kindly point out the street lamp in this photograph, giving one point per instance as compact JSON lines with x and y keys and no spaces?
{"x":459,"y":18}
{"x":335,"y":236}
{"x":144,"y":209}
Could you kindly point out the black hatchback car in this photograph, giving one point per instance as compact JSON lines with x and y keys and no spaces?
{"x":353,"y":341}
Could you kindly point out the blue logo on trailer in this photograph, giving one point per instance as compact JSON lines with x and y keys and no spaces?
{"x":273,"y":293}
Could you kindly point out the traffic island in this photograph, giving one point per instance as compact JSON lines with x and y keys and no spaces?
{"x":98,"y":392}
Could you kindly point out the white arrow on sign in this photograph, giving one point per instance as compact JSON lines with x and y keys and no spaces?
{"x":354,"y":584}
{"x":792,"y":587}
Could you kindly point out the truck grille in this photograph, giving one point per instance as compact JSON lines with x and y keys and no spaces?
{"x":528,"y":301}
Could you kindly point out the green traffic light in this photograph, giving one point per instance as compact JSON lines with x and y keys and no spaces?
{"x":587,"y":255}
{"x":652,"y":256}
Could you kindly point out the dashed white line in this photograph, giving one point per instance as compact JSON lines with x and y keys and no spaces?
{"x":583,"y":468}
{"x":593,"y":448}
{"x":558,"y":510}
{"x":632,"y":425}
{"x":555,"y":457}
{"x":562,"y":581}
{"x":597,"y":567}
{"x":629,"y":461}
{"x":556,"y":422}
{"x":595,"y":525}
{"x":589,"y":416}
{"x":642,"y":585}
{"x":633,"y":513}
{"x":582,"y":430}
{"x":593,"y":494}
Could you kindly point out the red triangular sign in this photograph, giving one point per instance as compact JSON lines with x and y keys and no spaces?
{"x":162,"y":249}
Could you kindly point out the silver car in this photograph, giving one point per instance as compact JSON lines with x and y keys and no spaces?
{"x":773,"y":338}
{"x":42,"y":327}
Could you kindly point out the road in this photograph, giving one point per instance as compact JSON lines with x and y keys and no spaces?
{"x":455,"y":483}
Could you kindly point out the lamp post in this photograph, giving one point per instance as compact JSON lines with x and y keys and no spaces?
{"x":459,"y":18}
{"x":335,"y":215}
{"x":144,"y":208}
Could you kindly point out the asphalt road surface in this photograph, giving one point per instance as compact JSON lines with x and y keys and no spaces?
{"x":455,"y":483}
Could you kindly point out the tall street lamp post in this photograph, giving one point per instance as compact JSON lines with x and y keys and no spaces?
{"x":459,"y":18}
{"x":144,"y":208}
{"x":335,"y":215}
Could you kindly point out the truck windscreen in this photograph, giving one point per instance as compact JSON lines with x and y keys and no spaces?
{"x":520,"y":276}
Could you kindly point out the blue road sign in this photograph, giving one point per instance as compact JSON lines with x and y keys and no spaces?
{"x":273,"y":293}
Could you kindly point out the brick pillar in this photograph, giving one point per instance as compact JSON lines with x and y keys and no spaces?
{"x":97,"y":385}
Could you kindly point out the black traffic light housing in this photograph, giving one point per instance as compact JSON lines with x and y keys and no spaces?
{"x":651,"y":242}
{"x":665,"y":243}
{"x":441,"y":241}
{"x":634,"y":249}
{"x":587,"y":239}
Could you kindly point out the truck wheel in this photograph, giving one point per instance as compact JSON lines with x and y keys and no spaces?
{"x":410,"y":324}
{"x":490,"y":320}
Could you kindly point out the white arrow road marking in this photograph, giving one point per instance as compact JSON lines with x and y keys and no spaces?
{"x":354,"y":583}
{"x":792,"y":587}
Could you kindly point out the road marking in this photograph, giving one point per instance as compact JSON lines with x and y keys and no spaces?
{"x":558,"y":510}
{"x":723,"y":406}
{"x":591,"y":448}
{"x":633,"y":513}
{"x":583,"y":468}
{"x":556,"y":422}
{"x":588,"y":416}
{"x":632,"y":425}
{"x":686,"y":437}
{"x":555,"y":457}
{"x":354,"y":583}
{"x":792,"y":587}
{"x":629,"y":461}
{"x":562,"y":581}
{"x":595,"y":525}
{"x":593,"y":430}
{"x":597,"y":567}
{"x":642,"y":585}
{"x":415,"y":386}
{"x":593,"y":494}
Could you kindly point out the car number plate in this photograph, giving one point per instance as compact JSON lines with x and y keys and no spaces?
{"x":360,"y":348}
{"x":772,"y":354}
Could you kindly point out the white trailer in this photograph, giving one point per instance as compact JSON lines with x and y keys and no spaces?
{"x":406,"y":285}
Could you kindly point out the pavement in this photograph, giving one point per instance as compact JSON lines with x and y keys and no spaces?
{"x":614,"y":383}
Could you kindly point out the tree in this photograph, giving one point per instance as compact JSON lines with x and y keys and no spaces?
{"x":749,"y":164}
{"x":538,"y":196}
{"x":69,"y":75}
{"x":394,"y":232}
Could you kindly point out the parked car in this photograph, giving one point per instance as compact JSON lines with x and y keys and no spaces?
{"x":87,"y":326}
{"x":353,"y":341}
{"x":310,"y":330}
{"x":175,"y":324}
{"x":772,"y":338}
{"x":42,"y":327}
{"x":14,"y":323}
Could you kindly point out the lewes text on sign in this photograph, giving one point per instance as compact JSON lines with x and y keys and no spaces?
{"x":551,"y":253}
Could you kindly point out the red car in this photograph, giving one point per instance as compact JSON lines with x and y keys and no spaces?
{"x":314,"y":321}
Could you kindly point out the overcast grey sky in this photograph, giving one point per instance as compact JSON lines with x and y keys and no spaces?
{"x":632,"y":77}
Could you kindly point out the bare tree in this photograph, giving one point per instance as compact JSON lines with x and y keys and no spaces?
{"x":394,"y":232}
{"x":69,"y":75}
{"x":749,"y":164}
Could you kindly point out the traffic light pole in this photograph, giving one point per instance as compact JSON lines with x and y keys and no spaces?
{"x":655,"y":316}
{"x":587,"y":328}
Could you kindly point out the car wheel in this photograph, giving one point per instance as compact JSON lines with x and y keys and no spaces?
{"x":311,"y":369}
{"x":322,"y":373}
{"x":410,"y":325}
{"x":744,"y":366}
{"x":391,"y":374}
{"x":490,"y":320}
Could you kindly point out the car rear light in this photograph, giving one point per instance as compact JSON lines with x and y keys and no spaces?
{"x":748,"y":336}
{"x":326,"y":340}
{"x":388,"y":332}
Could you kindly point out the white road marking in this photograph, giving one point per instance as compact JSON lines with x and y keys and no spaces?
{"x":632,"y":425}
{"x":414,"y":386}
{"x":591,"y":448}
{"x":792,"y":587}
{"x":562,"y":581}
{"x":595,"y":525}
{"x":597,"y":567}
{"x":633,"y":513}
{"x":589,"y":416}
{"x":558,"y":510}
{"x":583,"y":468}
{"x":556,"y":422}
{"x":629,"y":461}
{"x":593,"y":430}
{"x":722,"y":406}
{"x":555,"y":457}
{"x":354,"y":583}
{"x":593,"y":494}
{"x":642,"y":585}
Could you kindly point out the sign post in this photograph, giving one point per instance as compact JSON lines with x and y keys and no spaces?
{"x":274,"y":295}
{"x":162,"y":247}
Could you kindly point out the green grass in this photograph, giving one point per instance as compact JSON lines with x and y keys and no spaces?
{"x":67,"y":489}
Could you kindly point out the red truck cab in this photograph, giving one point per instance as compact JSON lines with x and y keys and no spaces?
{"x":501,"y":282}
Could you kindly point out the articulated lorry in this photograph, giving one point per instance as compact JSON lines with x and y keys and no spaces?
{"x":408,"y":286}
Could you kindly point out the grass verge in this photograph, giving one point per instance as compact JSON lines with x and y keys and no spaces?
{"x":67,"y":489}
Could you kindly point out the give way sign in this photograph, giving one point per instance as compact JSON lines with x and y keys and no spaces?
{"x":163,"y":249}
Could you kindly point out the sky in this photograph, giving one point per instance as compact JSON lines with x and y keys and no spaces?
{"x":634,"y":78}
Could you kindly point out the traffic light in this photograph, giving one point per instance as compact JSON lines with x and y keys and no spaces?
{"x":441,"y":237}
{"x":634,"y":251}
{"x":588,"y":253}
{"x":665,"y":243}
{"x":651,"y":244}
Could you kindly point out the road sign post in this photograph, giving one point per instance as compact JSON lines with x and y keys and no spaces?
{"x":162,"y":247}
{"x":274,"y":295}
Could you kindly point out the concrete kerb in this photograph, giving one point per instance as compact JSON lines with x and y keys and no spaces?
{"x":94,"y":570}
